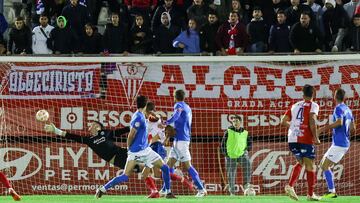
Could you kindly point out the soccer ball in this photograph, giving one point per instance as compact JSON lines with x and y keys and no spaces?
{"x":249,"y":192}
{"x":42,"y":115}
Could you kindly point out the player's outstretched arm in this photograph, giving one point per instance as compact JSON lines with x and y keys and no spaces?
{"x":175,"y":116}
{"x":51,"y":128}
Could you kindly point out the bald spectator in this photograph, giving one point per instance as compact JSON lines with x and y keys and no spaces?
{"x":305,"y":36}
{"x":231,"y":37}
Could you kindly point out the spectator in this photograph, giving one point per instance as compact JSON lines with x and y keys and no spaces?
{"x":277,"y":5}
{"x":350,"y":7}
{"x":336,"y":21}
{"x":243,"y":14}
{"x":231,"y":37}
{"x":235,"y":145}
{"x":96,"y":6}
{"x":293,"y":12}
{"x":318,"y":13}
{"x":20,"y":35}
{"x":40,"y":36}
{"x":92,"y":41}
{"x":164,"y":36}
{"x":279,"y":35}
{"x":63,"y":39}
{"x":50,"y":8}
{"x":77,"y":16}
{"x":116,"y":36}
{"x":198,"y":11}
{"x":141,"y":7}
{"x":188,"y":40}
{"x":175,"y":14}
{"x":208,"y":34}
{"x":353,"y":36}
{"x":305,"y":36}
{"x":3,"y":24}
{"x":258,"y":31}
{"x":141,"y":37}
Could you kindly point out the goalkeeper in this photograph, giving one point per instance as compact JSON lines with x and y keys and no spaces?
{"x":235,"y":146}
{"x":101,"y":141}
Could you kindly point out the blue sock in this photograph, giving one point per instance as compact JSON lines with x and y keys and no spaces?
{"x":115,"y":181}
{"x":171,"y":170}
{"x":166,"y":176}
{"x":329,"y":179}
{"x":195,"y":176}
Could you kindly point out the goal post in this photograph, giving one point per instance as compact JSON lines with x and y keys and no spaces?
{"x":78,"y":90}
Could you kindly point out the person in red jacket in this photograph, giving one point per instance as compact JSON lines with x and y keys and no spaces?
{"x":231,"y":37}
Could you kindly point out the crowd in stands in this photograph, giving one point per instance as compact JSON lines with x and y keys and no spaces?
{"x":216,"y":27}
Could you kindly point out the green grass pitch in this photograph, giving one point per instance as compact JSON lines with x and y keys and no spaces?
{"x":181,"y":198}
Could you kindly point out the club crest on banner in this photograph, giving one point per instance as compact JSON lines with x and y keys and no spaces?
{"x":132,"y":77}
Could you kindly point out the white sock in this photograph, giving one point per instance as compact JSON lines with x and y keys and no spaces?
{"x":332,"y":190}
{"x":102,"y":189}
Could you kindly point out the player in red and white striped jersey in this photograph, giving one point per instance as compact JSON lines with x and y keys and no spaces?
{"x":301,"y":119}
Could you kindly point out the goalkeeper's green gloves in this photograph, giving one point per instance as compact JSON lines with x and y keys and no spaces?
{"x":51,"y":128}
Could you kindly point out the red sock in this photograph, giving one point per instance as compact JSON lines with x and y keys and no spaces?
{"x":311,"y":180}
{"x":150,"y":183}
{"x":4,"y":180}
{"x":175,"y":177}
{"x":295,"y":174}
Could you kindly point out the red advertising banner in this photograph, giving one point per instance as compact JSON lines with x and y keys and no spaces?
{"x":74,"y":169}
{"x":77,"y":94}
{"x":259,"y":92}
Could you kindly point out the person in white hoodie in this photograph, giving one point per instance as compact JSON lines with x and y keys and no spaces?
{"x":40,"y":35}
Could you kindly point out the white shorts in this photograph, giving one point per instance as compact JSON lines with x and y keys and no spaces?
{"x":336,"y":153}
{"x":146,"y":156}
{"x":180,"y":151}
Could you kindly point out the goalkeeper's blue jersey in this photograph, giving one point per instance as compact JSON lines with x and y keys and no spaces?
{"x":140,"y":141}
{"x":182,"y":119}
{"x":341,"y":134}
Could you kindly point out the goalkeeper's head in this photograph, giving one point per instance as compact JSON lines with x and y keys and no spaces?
{"x":95,"y":127}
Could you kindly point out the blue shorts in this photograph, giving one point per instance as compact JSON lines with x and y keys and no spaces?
{"x":302,"y":150}
{"x":159,"y":148}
